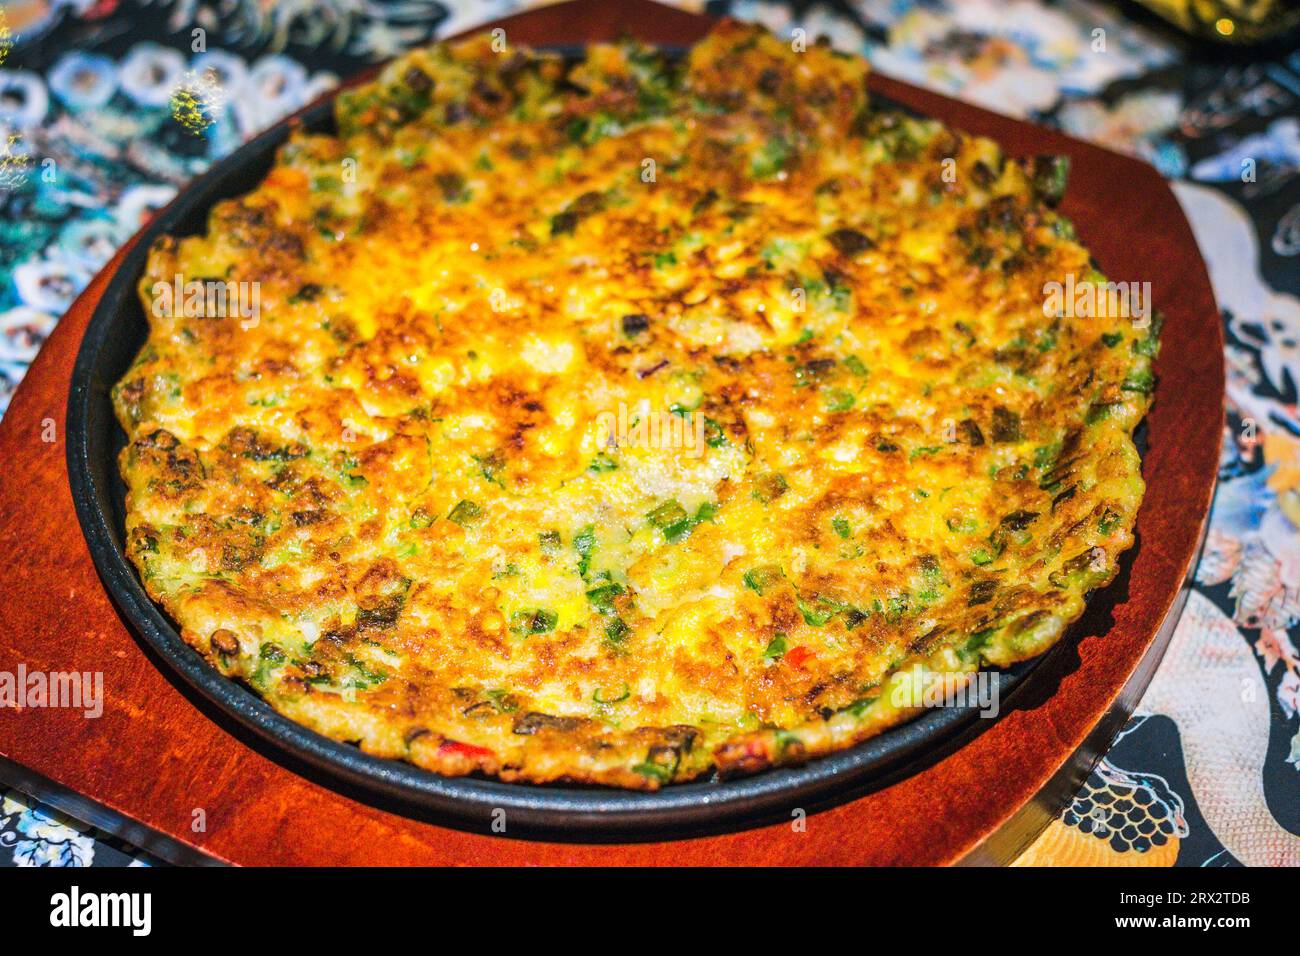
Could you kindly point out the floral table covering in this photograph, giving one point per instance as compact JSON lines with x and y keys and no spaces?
{"x":1207,"y":772}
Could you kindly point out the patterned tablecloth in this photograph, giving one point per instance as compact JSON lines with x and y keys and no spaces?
{"x":1207,"y":773}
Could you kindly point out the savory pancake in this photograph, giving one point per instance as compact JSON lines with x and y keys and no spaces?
{"x":607,"y":422}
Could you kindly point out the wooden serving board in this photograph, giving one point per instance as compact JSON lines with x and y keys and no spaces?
{"x":160,"y":761}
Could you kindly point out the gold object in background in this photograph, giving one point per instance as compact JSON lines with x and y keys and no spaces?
{"x":1237,"y":22}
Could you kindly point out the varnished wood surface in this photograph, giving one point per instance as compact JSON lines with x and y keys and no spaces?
{"x":158,"y":754}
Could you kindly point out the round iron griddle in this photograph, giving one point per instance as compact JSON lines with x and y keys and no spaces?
{"x":117,"y":330}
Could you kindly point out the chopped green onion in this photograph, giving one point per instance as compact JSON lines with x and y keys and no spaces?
{"x":768,"y":488}
{"x":599,"y":699}
{"x":667,"y":514}
{"x":539,"y":621}
{"x":775,"y":647}
{"x":616,"y":630}
{"x":602,"y":597}
{"x":465,"y":513}
{"x":761,"y":578}
{"x":584,"y":542}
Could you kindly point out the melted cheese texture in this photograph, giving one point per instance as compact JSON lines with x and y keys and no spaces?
{"x":417,"y":501}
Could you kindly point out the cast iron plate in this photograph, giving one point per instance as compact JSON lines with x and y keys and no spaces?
{"x":115,"y":334}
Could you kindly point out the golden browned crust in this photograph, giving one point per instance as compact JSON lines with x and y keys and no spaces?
{"x":410,"y":505}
